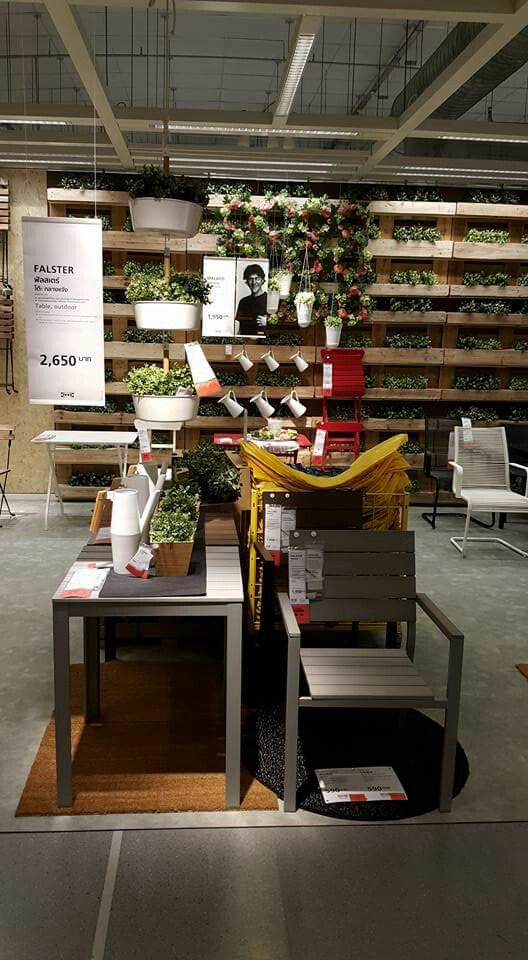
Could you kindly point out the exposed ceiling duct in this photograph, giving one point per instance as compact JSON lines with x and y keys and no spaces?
{"x":510,"y":59}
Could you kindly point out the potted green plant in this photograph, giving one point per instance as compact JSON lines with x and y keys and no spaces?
{"x":163,"y":396}
{"x":273,"y":298}
{"x":333,"y":327}
{"x":167,"y":303}
{"x":284,"y":278}
{"x":172,"y":534}
{"x":165,"y":202}
{"x":304,"y":301}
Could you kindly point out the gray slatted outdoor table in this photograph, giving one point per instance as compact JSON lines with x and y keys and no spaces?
{"x":223,"y":598}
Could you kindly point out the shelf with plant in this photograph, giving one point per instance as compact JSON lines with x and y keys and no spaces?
{"x":121,"y":350}
{"x":410,"y":305}
{"x":228,"y":377}
{"x":90,"y":478}
{"x":408,"y":382}
{"x":410,"y":249}
{"x":354,"y":340}
{"x":488,"y":244}
{"x":484,"y":382}
{"x":469,"y":342}
{"x":521,"y":345}
{"x":487,"y":235}
{"x":277,"y":378}
{"x":402,"y":388}
{"x":211,"y":473}
{"x":480,"y":278}
{"x":517,"y":413}
{"x":427,"y":278}
{"x":394,"y":416}
{"x":518,"y":383}
{"x":480,"y":414}
{"x":408,"y":341}
{"x":498,"y":308}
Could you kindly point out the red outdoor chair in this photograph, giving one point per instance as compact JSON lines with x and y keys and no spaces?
{"x":343,"y":376}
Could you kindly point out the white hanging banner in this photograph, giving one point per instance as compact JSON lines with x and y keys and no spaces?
{"x":63,"y":291}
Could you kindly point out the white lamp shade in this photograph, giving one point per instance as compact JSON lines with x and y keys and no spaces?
{"x":297,"y":408}
{"x":231,"y":404}
{"x":244,"y":360}
{"x":300,"y":362}
{"x":270,"y":361}
{"x":263,"y":405}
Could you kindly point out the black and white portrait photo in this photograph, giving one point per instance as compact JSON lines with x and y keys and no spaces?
{"x":251,"y":298}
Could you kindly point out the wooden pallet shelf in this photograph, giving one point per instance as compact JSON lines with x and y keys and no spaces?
{"x":412,"y":249}
{"x":489,"y":251}
{"x":493,"y":211}
{"x":408,"y":290}
{"x":486,"y":396}
{"x":490,"y":293}
{"x":487,"y":319}
{"x":142,"y":242}
{"x":413,"y":208}
{"x":380,"y":425}
{"x":484,"y":358}
{"x":120,"y":350}
{"x":406,"y":357}
{"x":413,"y":318}
{"x":380,"y":393}
{"x":94,"y":419}
{"x":103,"y":198}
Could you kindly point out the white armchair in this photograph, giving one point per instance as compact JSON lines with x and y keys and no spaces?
{"x":481,"y":477}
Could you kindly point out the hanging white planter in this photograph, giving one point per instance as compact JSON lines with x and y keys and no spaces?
{"x":285,"y":282}
{"x":167,"y":409}
{"x":333,"y":335}
{"x":167,"y":315}
{"x":304,"y":306}
{"x":181,"y":218}
{"x":273,"y":301}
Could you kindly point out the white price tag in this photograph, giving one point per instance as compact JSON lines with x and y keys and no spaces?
{"x":467,"y":432}
{"x":327,"y":376}
{"x":272,"y":527}
{"x":144,"y":440}
{"x":318,"y":446}
{"x":288,"y":523}
{"x":314,"y":570}
{"x":139,"y":565}
{"x":228,"y":350}
{"x":297,"y":575}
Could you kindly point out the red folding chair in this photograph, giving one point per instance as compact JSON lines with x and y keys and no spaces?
{"x":343,"y":376}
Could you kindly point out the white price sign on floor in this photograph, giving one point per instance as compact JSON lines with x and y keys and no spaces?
{"x":63,"y":289}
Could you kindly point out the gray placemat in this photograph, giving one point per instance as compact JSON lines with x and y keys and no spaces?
{"x":122,"y":586}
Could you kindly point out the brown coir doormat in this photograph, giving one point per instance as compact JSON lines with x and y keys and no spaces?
{"x":159,"y":748}
{"x":523,"y":668}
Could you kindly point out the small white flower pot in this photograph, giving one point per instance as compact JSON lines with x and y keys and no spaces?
{"x":166,"y":409}
{"x":304,"y":313}
{"x":167,"y":315}
{"x":273,"y":301}
{"x":333,"y":335}
{"x":181,"y":218}
{"x":285,"y":283}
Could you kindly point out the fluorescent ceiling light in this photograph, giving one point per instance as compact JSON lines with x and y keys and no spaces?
{"x":463,"y":170}
{"x":252,"y":162}
{"x":39,"y":123}
{"x":296,"y":64}
{"x":485,"y":139}
{"x":30,"y":163}
{"x":523,"y":178}
{"x":258,"y":131}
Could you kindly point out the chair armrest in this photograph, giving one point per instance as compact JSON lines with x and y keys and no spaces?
{"x":264,"y":554}
{"x":458,"y":473}
{"x":521,"y":466}
{"x":288,"y":617}
{"x":439,"y":618}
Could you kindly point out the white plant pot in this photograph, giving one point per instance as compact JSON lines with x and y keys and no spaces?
{"x":166,"y":409}
{"x":181,"y":218}
{"x":273,"y":301}
{"x":333,"y":335}
{"x":304,"y":313}
{"x":167,"y":315}
{"x":285,"y":283}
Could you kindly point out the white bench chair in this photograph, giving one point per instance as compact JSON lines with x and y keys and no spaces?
{"x":481,"y":477}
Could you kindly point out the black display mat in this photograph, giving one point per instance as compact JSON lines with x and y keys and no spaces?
{"x":354,"y":738}
{"x":120,"y":586}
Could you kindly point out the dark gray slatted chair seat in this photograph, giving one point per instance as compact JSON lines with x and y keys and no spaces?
{"x":364,"y":674}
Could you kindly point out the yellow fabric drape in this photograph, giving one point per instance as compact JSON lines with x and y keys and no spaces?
{"x":382,"y":469}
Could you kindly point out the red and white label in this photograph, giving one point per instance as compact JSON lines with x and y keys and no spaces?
{"x":327,"y":380}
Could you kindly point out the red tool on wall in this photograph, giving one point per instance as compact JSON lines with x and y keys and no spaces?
{"x":343,"y":376}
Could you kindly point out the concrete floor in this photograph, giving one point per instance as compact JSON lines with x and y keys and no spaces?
{"x":106,"y":888}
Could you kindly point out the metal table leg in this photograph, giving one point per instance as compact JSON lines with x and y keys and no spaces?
{"x":52,"y":479}
{"x":233,"y":660}
{"x":92,"y":670}
{"x":61,"y":668}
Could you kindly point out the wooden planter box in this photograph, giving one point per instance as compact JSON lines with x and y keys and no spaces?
{"x":381,"y":425}
{"x":405,"y":356}
{"x":485,"y":395}
{"x":381,"y":393}
{"x":120,"y":350}
{"x":420,"y":208}
{"x":487,"y":320}
{"x":489,"y":251}
{"x":474,"y":358}
{"x":493,"y":211}
{"x":411,"y":249}
{"x":154,"y":243}
{"x":410,"y":318}
{"x":498,"y":293}
{"x":408,"y":290}
{"x":173,"y":559}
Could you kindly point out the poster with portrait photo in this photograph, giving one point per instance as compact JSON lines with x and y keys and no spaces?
{"x":251,"y":297}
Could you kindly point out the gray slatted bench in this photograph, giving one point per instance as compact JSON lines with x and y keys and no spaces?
{"x":368,"y":575}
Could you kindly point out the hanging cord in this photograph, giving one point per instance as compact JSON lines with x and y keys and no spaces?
{"x":172,"y":28}
{"x":94,"y":124}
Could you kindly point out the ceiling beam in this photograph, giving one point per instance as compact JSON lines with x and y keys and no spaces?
{"x":481,"y":131}
{"x":444,"y":11}
{"x":481,"y":49}
{"x":70,"y":34}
